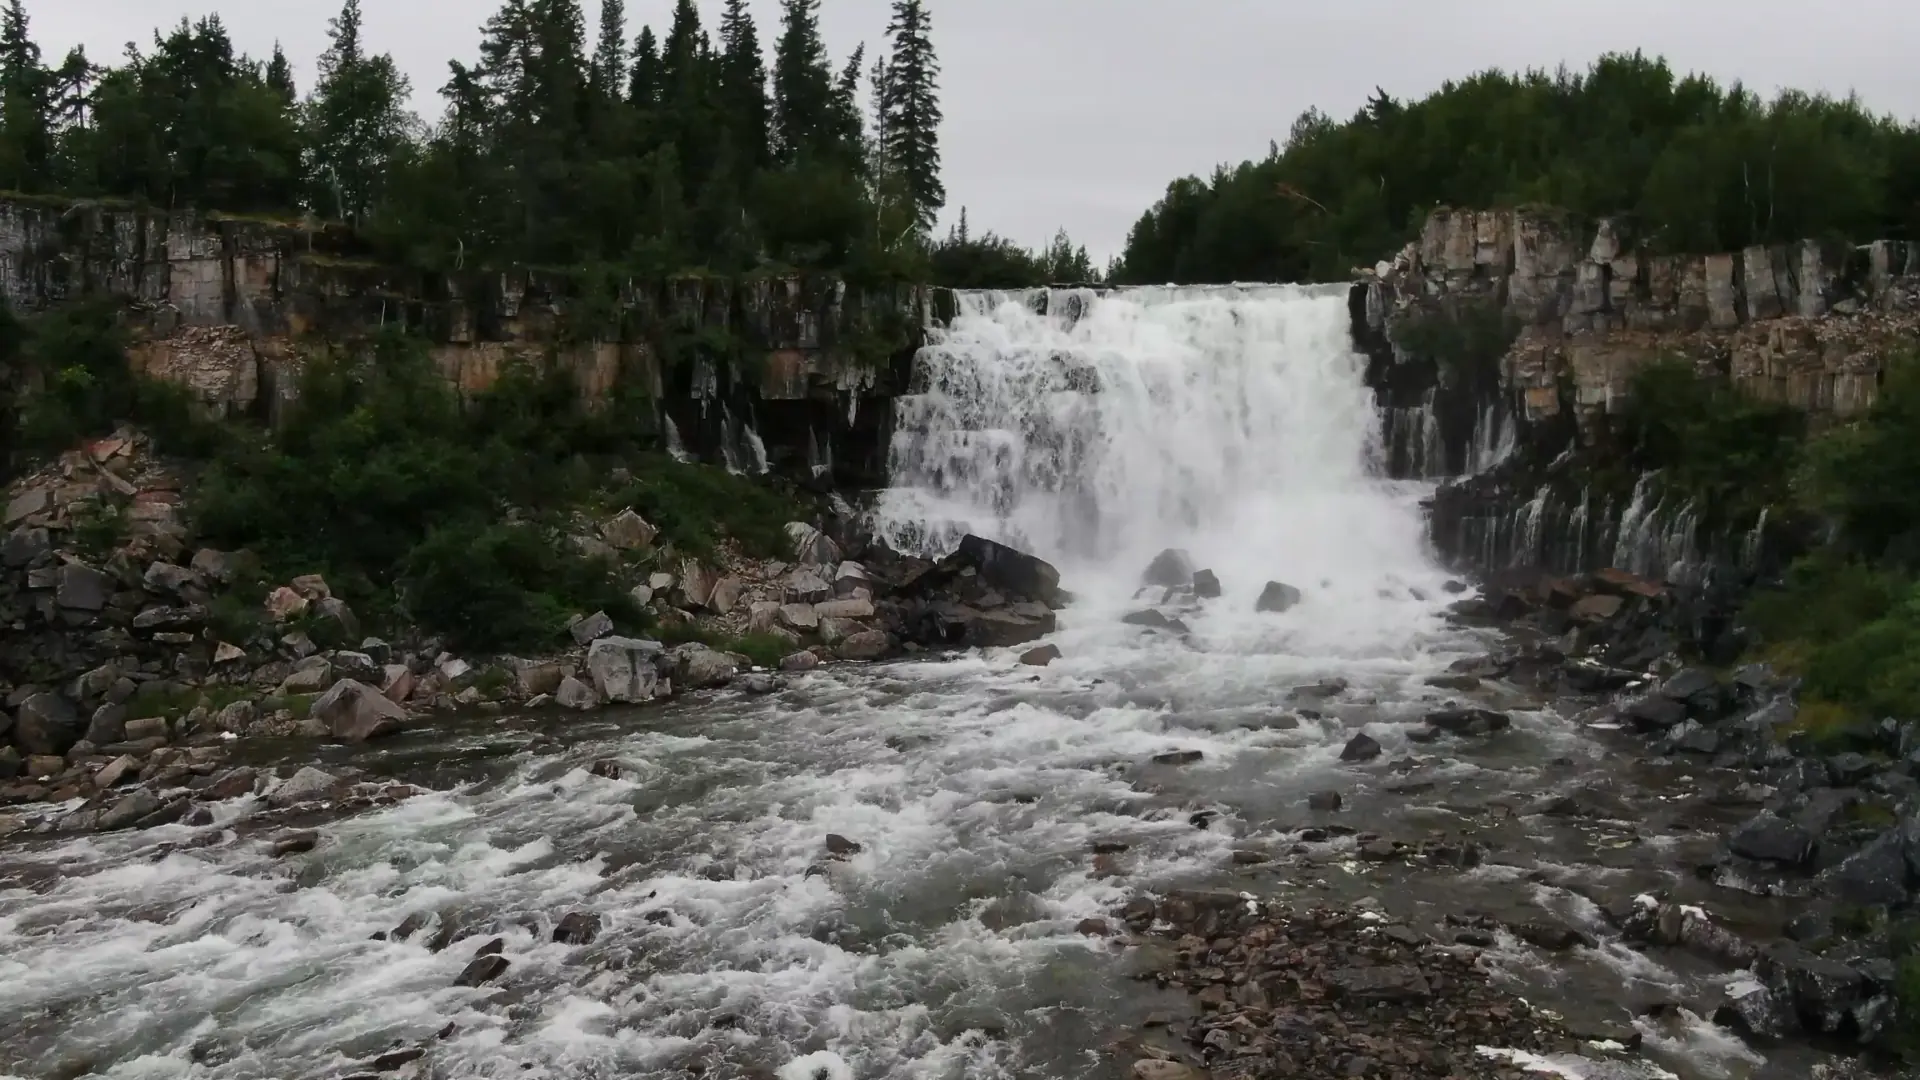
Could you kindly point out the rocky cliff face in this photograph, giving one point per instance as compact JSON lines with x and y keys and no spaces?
{"x":1522,"y":329}
{"x":801,"y":364}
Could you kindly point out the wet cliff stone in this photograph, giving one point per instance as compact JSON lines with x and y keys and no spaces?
{"x":1361,"y":747}
{"x":1276,"y":598}
{"x":46,"y":723}
{"x":1169,"y":569}
{"x":1206,"y":585}
{"x":1774,"y":839}
{"x":1010,"y":570}
{"x":1040,"y":657}
{"x":1877,"y":874}
{"x":592,"y":628}
{"x":354,"y":712}
{"x":624,"y":670}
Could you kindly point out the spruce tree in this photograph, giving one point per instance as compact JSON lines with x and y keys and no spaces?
{"x":743,"y":87}
{"x":280,"y":76}
{"x":356,"y":120}
{"x":610,"y":53}
{"x":802,"y":84}
{"x":910,"y":108}
{"x":26,"y":131}
{"x":643,"y":81}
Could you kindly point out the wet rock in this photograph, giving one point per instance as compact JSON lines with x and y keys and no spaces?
{"x":1389,"y":983}
{"x":396,"y":1059}
{"x":1206,"y":585}
{"x":1040,"y":657}
{"x":1177,"y":757}
{"x":1877,"y":874}
{"x":1461,"y":683}
{"x":116,"y":772}
{"x":1753,"y":1010}
{"x":1172,"y":567}
{"x":1325,"y":802}
{"x":800,"y":661}
{"x":295,"y":843}
{"x":866,"y":645}
{"x":1553,"y":937}
{"x":1468,"y":721}
{"x":1153,"y":620}
{"x":576,"y":695}
{"x":760,"y":684}
{"x":840,"y":847}
{"x":1595,"y":609}
{"x":354,"y":712}
{"x":1319,"y":691}
{"x":699,"y":667}
{"x":1771,"y":838}
{"x":1277,"y":597}
{"x":1361,"y":747}
{"x":1011,"y":571}
{"x":1250,"y":858}
{"x":624,"y":670}
{"x":482,"y":970}
{"x":1093,"y":928}
{"x":1655,"y":713}
{"x":1156,"y":1069}
{"x":577,"y":928}
{"x":592,"y":628}
{"x":128,"y":810}
{"x":307,"y":785}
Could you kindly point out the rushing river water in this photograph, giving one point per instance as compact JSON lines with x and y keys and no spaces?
{"x":1230,"y":422}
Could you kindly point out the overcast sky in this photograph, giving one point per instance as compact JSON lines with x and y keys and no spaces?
{"x":1077,"y":113}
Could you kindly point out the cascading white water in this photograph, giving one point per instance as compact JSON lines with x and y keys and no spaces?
{"x":1096,"y":429}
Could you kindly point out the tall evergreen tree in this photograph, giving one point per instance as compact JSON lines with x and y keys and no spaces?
{"x":643,"y":82}
{"x":280,"y":76}
{"x":26,"y":129}
{"x":743,"y":87}
{"x":802,"y":84}
{"x":849,"y":128}
{"x":910,"y":111}
{"x":356,"y":121}
{"x":610,"y":53}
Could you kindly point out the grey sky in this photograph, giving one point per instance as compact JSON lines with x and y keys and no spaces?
{"x":1077,"y":113}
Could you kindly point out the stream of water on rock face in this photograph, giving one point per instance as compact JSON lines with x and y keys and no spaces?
{"x":1232,"y":422}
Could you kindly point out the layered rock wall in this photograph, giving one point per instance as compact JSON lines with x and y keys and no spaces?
{"x":232,"y":307}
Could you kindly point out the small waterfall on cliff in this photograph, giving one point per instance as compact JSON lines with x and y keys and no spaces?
{"x":1097,"y":429}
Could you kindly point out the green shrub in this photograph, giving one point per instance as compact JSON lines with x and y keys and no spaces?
{"x":1732,"y":454}
{"x":1852,"y":632}
{"x":505,"y":586}
{"x":695,"y":506}
{"x":1867,"y":476}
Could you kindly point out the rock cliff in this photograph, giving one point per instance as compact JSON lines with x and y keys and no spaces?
{"x":1505,"y":338}
{"x":231,"y":307}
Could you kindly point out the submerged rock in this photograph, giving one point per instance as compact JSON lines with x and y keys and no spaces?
{"x":1469,"y":721}
{"x":1362,"y":747}
{"x":1040,"y":657}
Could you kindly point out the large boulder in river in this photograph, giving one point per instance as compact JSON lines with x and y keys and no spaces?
{"x":1277,"y":597}
{"x":1170,"y":569}
{"x":354,"y":712}
{"x":624,"y":669}
{"x":1011,"y":571}
{"x":697,"y":666}
{"x":47,"y":724}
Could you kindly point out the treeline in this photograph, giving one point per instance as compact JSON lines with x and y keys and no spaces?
{"x":559,"y":145}
{"x":1701,"y":167}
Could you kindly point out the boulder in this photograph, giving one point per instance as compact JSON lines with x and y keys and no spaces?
{"x":811,"y":547}
{"x":284,"y":603}
{"x":1153,"y":619}
{"x":695,"y":588}
{"x":311,"y":586}
{"x":214,"y":565}
{"x":307,"y":785}
{"x":47,"y":724}
{"x":1013,"y":572}
{"x":763,"y":616}
{"x":623,"y":670}
{"x":834,"y":631}
{"x":628,"y":531}
{"x":344,"y":624}
{"x":1040,"y":657}
{"x":24,"y":546}
{"x":1774,"y":839}
{"x":1361,"y":747}
{"x":726,"y":594}
{"x":576,"y":695}
{"x":800,"y":661}
{"x":108,"y":725}
{"x":806,"y":587}
{"x":1276,"y":598}
{"x":851,"y":579}
{"x":348,"y":664}
{"x":354,"y":712}
{"x":26,"y":504}
{"x":1206,"y":585}
{"x":698,"y":666}
{"x":1172,"y":567}
{"x":309,"y":676}
{"x":1597,"y":608}
{"x":536,"y":679}
{"x":801,"y":617}
{"x":844,"y":609}
{"x":164,"y":577}
{"x":866,"y":645}
{"x":592,"y":628}
{"x":1007,"y":627}
{"x":82,"y":588}
{"x":396,"y":683}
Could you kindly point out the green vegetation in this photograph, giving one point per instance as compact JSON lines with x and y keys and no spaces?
{"x":1847,"y":617}
{"x":1698,"y":166}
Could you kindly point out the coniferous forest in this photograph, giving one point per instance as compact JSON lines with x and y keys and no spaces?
{"x":563,"y":143}
{"x":1701,"y":167}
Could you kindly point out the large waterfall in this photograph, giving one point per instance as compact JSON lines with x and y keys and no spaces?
{"x":1096,"y":429}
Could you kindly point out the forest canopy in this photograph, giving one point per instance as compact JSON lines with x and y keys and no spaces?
{"x":1699,"y":167}
{"x":560,"y":144}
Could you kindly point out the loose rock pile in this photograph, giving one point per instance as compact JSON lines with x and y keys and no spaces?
{"x":1297,"y":994}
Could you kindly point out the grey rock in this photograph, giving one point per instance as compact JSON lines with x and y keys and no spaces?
{"x":128,"y":809}
{"x":576,"y":695}
{"x":142,"y":730}
{"x":844,"y":609}
{"x":800,"y":661}
{"x":699,"y":667}
{"x":82,"y":588}
{"x":109,"y":725}
{"x":1277,"y":597}
{"x":760,"y":684}
{"x":806,"y":587}
{"x":1876,"y":874}
{"x":46,"y":723}
{"x":24,"y":546}
{"x":1770,"y":838}
{"x":1172,"y":567}
{"x":866,"y":645}
{"x":852,"y":579}
{"x":1469,"y":721}
{"x":216,"y":565}
{"x":332,"y":609}
{"x":801,"y":617}
{"x":624,"y":670}
{"x":163,"y":577}
{"x":1386,"y":983}
{"x":628,"y":531}
{"x":354,"y":712}
{"x":811,"y":547}
{"x":26,"y":504}
{"x":165,"y":617}
{"x":592,"y":628}
{"x":1361,"y":747}
{"x":1655,"y":712}
{"x":1040,"y":657}
{"x":1324,"y":801}
{"x":1206,"y":585}
{"x":307,"y":785}
{"x":310,"y":676}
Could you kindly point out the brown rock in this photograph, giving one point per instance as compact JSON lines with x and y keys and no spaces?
{"x":354,"y":712}
{"x":295,"y":843}
{"x":1040,"y":657}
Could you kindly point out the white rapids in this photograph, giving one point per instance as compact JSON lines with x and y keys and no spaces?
{"x":1232,"y":422}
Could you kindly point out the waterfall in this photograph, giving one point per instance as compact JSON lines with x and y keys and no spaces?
{"x":1096,"y":429}
{"x":675,"y":447}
